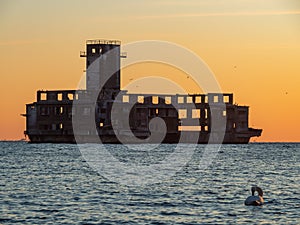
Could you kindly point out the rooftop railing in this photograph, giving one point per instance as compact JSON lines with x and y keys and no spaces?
{"x":102,"y":41}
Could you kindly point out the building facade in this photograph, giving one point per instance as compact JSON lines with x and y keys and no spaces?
{"x":105,"y":112}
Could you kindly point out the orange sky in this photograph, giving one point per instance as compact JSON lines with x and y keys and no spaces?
{"x":252,"y":46}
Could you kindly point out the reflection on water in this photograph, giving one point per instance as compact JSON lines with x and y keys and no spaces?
{"x":44,"y":183}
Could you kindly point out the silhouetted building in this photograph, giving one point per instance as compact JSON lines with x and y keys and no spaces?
{"x":205,"y":118}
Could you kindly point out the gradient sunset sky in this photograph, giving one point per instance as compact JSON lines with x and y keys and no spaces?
{"x":252,"y":46}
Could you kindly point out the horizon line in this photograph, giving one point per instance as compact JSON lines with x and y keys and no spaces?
{"x":250,"y":142}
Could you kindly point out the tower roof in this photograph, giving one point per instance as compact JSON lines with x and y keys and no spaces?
{"x":103,"y":41}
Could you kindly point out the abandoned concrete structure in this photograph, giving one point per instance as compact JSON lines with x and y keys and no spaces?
{"x":51,"y":117}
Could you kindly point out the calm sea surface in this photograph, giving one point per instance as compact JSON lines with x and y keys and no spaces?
{"x":53,"y":184}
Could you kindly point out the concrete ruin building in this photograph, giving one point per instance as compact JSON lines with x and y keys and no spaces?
{"x":200,"y":118}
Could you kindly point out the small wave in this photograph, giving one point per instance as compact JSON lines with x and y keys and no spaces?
{"x":273,"y":201}
{"x":166,"y":213}
{"x":48,"y":211}
{"x":5,"y":220}
{"x":174,"y":213}
{"x":231,"y":214}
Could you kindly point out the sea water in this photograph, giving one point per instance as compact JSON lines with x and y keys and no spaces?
{"x":54,"y":184}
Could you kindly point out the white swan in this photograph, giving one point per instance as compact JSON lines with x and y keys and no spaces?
{"x":254,"y":199}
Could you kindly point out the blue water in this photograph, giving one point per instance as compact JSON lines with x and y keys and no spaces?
{"x":53,"y":184}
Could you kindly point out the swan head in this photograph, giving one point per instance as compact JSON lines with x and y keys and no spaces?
{"x":258,"y":189}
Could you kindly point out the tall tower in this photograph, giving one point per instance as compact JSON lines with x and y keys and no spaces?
{"x":104,"y":72}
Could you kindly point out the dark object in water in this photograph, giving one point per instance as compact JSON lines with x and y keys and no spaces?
{"x":255,"y":199}
{"x":49,"y":119}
